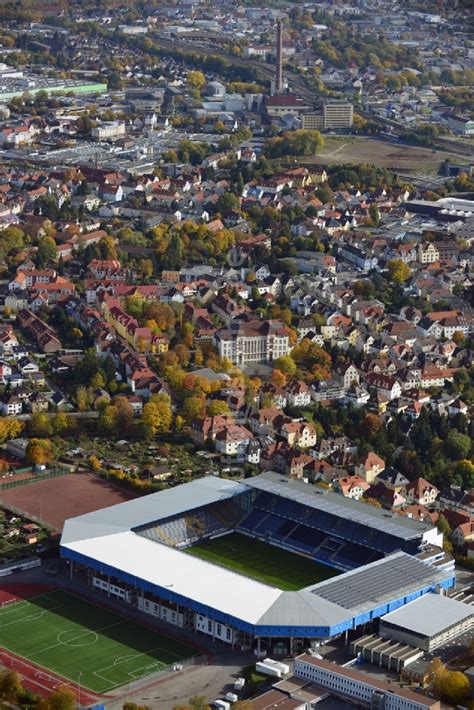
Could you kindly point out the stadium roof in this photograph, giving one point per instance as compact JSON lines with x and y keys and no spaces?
{"x":151,"y":508}
{"x":430,"y":615}
{"x":107,"y":538}
{"x":383,"y":520}
{"x":374,"y":584}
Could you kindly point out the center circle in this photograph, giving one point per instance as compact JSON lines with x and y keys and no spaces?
{"x":76,"y":638}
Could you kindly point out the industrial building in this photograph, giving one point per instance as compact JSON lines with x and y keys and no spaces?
{"x":428,"y":623}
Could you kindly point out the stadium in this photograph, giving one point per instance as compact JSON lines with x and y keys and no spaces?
{"x":267,"y":563}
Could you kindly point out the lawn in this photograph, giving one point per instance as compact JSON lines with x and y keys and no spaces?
{"x":383,"y":154}
{"x":266,"y":563}
{"x":79,"y":640}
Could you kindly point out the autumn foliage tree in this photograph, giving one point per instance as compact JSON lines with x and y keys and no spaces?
{"x":10,"y":686}
{"x":451,"y":686}
{"x":10,"y":429}
{"x":40,"y":451}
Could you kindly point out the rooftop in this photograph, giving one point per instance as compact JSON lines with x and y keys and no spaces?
{"x":300,"y":492}
{"x":430,"y":615}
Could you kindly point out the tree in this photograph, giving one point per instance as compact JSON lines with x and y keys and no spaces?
{"x":374,"y":214}
{"x":194,"y":408}
{"x":39,"y":451}
{"x":94,"y":463}
{"x":457,"y":446}
{"x":443,"y":526}
{"x":398,"y":271}
{"x":40,"y":424}
{"x":157,"y":415}
{"x":10,"y":686}
{"x":60,"y":423}
{"x":47,"y":251}
{"x":198,"y":702}
{"x":107,"y":248}
{"x":465,"y":471}
{"x":146,"y":267}
{"x":278,"y":378}
{"x":9,"y":429}
{"x":286,"y":365}
{"x":299,"y":142}
{"x":63,"y":699}
{"x":451,"y":686}
{"x":217,"y":407}
{"x":228,"y":202}
{"x":196,"y":80}
{"x":371,"y":424}
{"x":124,"y":413}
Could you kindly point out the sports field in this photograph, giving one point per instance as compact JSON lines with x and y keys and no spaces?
{"x":256,"y":559}
{"x":84,"y":642}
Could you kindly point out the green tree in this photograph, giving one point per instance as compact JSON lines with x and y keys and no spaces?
{"x":40,"y":424}
{"x":228,"y":202}
{"x":286,"y":365}
{"x":47,"y":251}
{"x":194,"y":408}
{"x":374,"y":214}
{"x":443,"y":526}
{"x":457,"y":446}
{"x":217,"y":407}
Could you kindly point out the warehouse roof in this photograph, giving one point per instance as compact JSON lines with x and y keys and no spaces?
{"x":430,"y":615}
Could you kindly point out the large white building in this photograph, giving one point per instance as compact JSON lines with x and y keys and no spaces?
{"x":359,"y":688}
{"x":247,"y":342}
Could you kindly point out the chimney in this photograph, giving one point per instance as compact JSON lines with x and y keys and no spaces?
{"x":279,"y":58}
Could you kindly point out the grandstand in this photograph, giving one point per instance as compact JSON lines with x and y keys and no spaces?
{"x":135,"y":551}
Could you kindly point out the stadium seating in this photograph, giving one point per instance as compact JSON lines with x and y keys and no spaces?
{"x":194,"y":525}
{"x":316,"y":533}
{"x":341,"y":528}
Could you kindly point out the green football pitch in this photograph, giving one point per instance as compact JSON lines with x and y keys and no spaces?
{"x":75,"y":638}
{"x":264,"y":562}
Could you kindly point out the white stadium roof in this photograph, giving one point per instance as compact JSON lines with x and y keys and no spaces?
{"x":430,"y":615}
{"x":107,"y":537}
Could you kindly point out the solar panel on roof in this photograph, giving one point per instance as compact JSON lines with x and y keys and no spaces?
{"x":378,"y":581}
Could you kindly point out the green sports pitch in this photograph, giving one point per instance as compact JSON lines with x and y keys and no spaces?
{"x":77,"y":639}
{"x":259,"y":560}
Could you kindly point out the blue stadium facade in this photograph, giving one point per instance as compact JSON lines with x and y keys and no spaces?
{"x":135,"y":550}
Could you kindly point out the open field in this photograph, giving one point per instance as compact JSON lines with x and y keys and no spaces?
{"x":85,"y":643}
{"x":383,"y":154}
{"x":56,"y":499}
{"x":266,"y":563}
